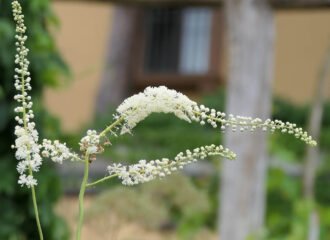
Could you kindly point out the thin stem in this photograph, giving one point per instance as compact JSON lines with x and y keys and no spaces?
{"x":85,"y":179}
{"x":33,"y":192}
{"x":114,"y":124}
{"x":81,"y":198}
{"x":224,"y":121}
{"x":35,"y":207}
{"x":101,"y":180}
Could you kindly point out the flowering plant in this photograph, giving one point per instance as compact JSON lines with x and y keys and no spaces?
{"x":30,"y":151}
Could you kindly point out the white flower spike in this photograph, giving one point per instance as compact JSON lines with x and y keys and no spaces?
{"x":145,"y":171}
{"x":163,"y":100}
{"x":26,"y":143}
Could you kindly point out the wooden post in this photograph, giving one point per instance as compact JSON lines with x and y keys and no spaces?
{"x":281,"y":4}
{"x":313,"y":155}
{"x":115,"y":80}
{"x":250,"y":30}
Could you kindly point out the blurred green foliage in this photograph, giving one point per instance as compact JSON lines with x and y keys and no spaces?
{"x":287,"y":216}
{"x":16,"y":209}
{"x":163,"y":135}
{"x":159,"y":204}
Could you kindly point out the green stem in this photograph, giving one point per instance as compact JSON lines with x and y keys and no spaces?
{"x":81,"y":198}
{"x":35,"y":207}
{"x":101,"y":180}
{"x":114,"y":124}
{"x":33,"y":192}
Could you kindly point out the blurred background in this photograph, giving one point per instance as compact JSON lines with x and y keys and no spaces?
{"x":255,"y":58}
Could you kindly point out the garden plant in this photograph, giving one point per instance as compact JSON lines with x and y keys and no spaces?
{"x":30,"y":151}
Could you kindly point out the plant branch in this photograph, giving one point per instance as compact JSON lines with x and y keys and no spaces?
{"x":113,"y":125}
{"x":101,"y":180}
{"x":35,"y":207}
{"x":81,"y":198}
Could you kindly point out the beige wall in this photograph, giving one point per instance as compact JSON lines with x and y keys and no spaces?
{"x":81,"y":39}
{"x":301,"y":42}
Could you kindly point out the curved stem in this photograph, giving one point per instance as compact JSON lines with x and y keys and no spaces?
{"x":101,"y":180}
{"x":35,"y":207}
{"x":81,"y":198}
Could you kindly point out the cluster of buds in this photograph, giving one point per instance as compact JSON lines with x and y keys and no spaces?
{"x":205,"y":115}
{"x":145,"y":171}
{"x":90,"y":144}
{"x":241,"y":123}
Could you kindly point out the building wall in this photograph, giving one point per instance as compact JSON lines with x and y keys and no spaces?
{"x":301,"y":42}
{"x":82,"y":39}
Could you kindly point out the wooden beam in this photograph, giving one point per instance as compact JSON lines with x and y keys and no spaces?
{"x":299,"y":3}
{"x":153,"y":2}
{"x":278,"y":4}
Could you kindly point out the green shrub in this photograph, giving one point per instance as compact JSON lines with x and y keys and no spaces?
{"x":17,"y":218}
{"x":157,"y":203}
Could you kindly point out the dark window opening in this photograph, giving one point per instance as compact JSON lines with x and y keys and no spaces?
{"x":178,"y":47}
{"x":178,"y":40}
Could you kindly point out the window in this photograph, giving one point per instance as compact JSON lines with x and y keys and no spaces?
{"x":178,"y":47}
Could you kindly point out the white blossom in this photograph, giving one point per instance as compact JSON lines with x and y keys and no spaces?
{"x":92,"y":149}
{"x":27,"y":180}
{"x":57,"y":152}
{"x":90,"y":143}
{"x":22,"y":166}
{"x":154,"y":100}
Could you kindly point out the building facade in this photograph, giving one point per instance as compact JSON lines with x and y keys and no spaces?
{"x":183,"y":48}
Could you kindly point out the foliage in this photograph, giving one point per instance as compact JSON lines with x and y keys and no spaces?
{"x":17,"y":218}
{"x":286,"y":111}
{"x":287,"y":216}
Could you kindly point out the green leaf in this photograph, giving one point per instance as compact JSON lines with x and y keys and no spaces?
{"x":2,"y":93}
{"x":4,"y":114}
{"x":6,"y":30}
{"x":8,"y":179}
